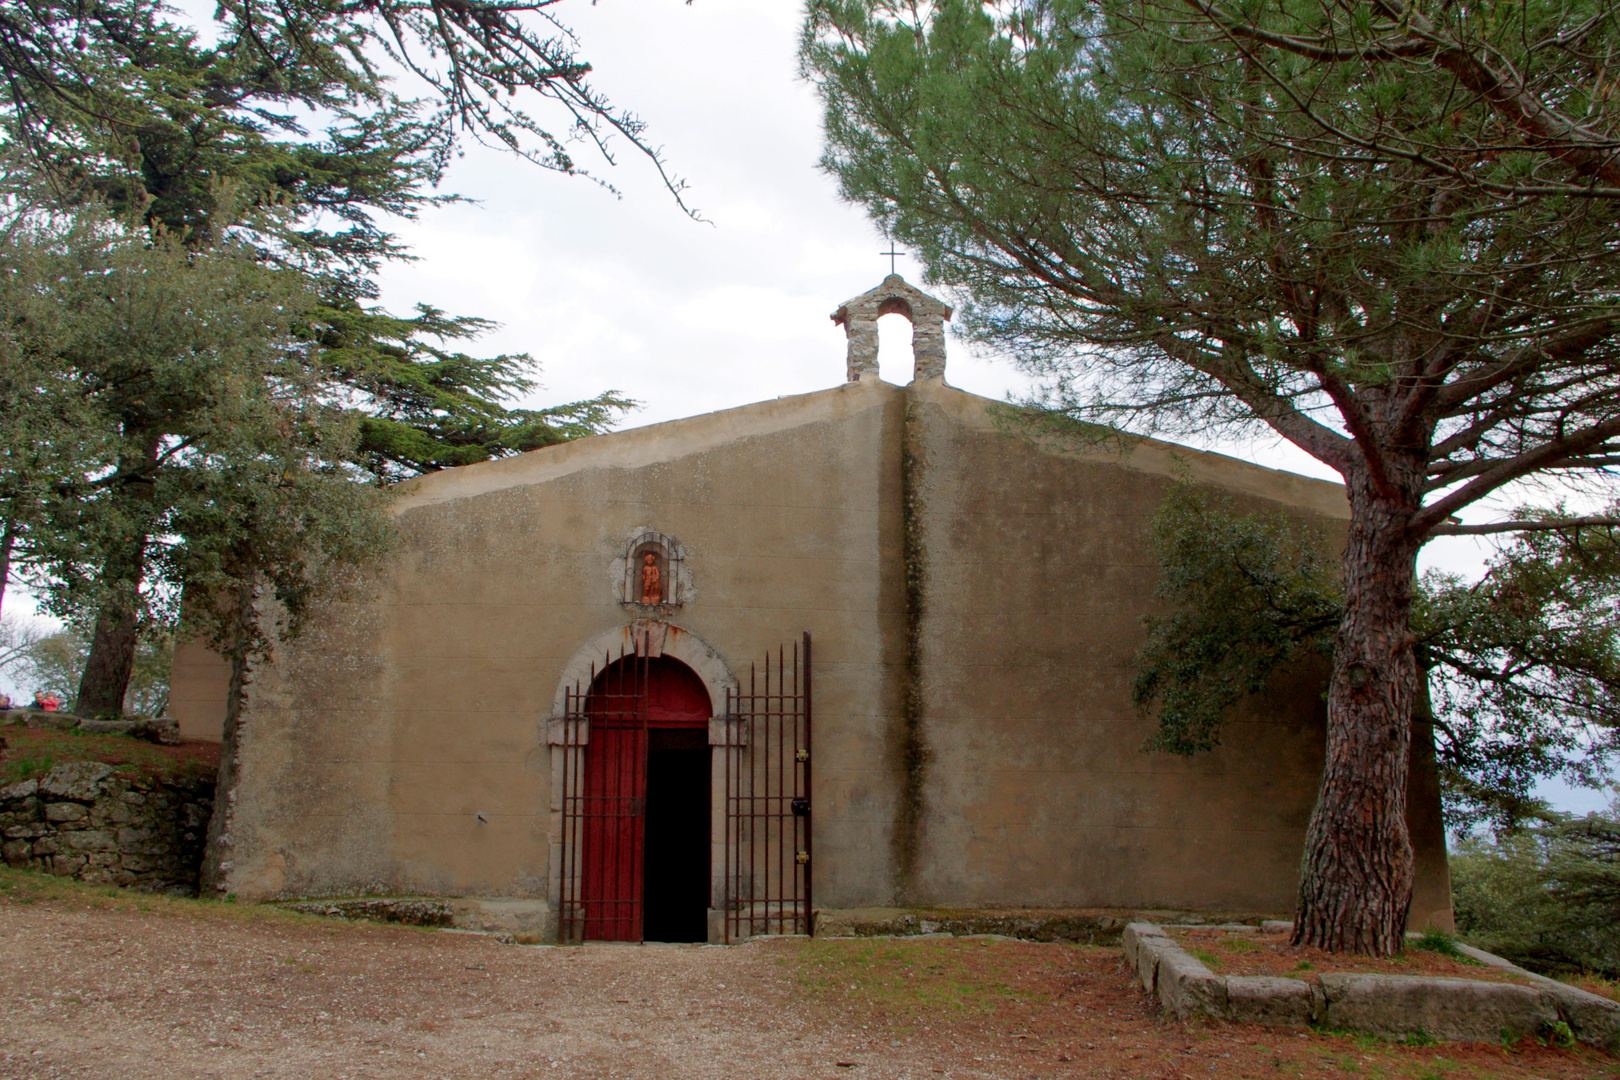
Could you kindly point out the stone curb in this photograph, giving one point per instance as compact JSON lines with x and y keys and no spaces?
{"x":1086,"y":926}
{"x":509,"y":918}
{"x":162,"y":730}
{"x":1462,"y":1010}
{"x":1594,"y":1020}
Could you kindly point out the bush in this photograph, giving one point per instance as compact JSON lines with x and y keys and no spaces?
{"x":1546,"y":896}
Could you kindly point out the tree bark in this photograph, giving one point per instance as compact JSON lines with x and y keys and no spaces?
{"x":8,"y":540}
{"x":1355,"y":885}
{"x":105,"y":681}
{"x":107,"y":670}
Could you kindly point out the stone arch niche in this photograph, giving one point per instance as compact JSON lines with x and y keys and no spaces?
{"x":674,"y":576}
{"x":647,"y":637}
{"x":895,"y":296}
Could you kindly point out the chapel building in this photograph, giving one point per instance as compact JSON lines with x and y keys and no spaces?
{"x":863,"y":648}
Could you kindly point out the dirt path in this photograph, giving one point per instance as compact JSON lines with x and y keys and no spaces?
{"x":108,"y":990}
{"x":130,"y":995}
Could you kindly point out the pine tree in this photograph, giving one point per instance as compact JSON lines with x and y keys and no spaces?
{"x":1519,"y":670}
{"x":1385,"y":234}
{"x":115,"y":104}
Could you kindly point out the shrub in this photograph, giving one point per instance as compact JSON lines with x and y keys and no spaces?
{"x":1546,"y":896}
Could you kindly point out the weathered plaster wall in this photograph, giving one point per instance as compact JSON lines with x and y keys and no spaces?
{"x":975,"y":600}
{"x":82,"y":820}
{"x":368,"y":748}
{"x":199,"y":681}
{"x":1034,"y":572}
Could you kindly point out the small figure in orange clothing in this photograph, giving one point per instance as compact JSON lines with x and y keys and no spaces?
{"x":652,"y":585}
{"x":47,"y":700}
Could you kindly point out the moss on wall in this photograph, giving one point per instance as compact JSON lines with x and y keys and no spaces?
{"x":912,"y":751}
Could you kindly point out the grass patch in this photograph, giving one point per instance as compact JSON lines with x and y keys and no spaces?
{"x":31,"y":753}
{"x":1241,"y":944}
{"x":34,"y":887}
{"x":1207,"y":958}
{"x":1594,"y":984}
{"x":1442,"y":943}
{"x":910,"y":979}
{"x":27,"y":765}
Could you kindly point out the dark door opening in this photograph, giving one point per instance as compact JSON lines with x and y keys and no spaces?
{"x":644,"y":814}
{"x":676,"y":874}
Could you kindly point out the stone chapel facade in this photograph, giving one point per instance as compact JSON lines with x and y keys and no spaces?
{"x":861,"y":648}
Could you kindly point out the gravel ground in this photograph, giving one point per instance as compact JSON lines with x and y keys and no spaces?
{"x":96,"y":986}
{"x":132,"y":995}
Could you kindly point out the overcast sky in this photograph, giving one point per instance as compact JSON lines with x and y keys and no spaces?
{"x":627,"y":293}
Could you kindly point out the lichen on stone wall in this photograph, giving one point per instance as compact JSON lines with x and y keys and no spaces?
{"x":913,"y":752}
{"x":84,"y":820}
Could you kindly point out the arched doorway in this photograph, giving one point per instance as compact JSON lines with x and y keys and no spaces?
{"x":644,"y":865}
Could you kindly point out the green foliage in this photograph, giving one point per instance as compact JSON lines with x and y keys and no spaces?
{"x":1250,"y":594}
{"x":274,"y":140}
{"x":1190,"y":215}
{"x":1524,"y":664}
{"x":426,"y":407}
{"x":206,"y":451}
{"x":119,"y":103}
{"x":122,"y":102}
{"x":55,"y":662}
{"x":1547,"y":896}
{"x":1443,"y":944}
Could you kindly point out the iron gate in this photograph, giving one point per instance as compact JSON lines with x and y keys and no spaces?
{"x":764,"y":741}
{"x":604,"y":743}
{"x":767,"y":886}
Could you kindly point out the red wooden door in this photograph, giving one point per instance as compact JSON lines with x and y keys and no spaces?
{"x":627,"y":699}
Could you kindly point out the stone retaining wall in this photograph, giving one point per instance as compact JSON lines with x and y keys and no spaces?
{"x":1466,"y":1010}
{"x":82,"y":821}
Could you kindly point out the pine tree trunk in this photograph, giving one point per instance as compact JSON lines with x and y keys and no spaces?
{"x":105,"y":681}
{"x":8,"y":540}
{"x":1356,"y":879}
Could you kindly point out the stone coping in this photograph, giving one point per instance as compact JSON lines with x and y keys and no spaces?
{"x":1085,"y":926}
{"x":161,"y":730}
{"x":1462,"y":1010}
{"x":490,"y":915}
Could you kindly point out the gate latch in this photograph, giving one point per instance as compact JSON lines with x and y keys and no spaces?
{"x":802,"y":857}
{"x":801,"y":807}
{"x":801,"y":755}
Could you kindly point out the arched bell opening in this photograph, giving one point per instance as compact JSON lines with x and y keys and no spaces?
{"x":894,"y":357}
{"x":861,"y":318}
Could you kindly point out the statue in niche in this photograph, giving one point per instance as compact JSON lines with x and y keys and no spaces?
{"x":652,"y":585}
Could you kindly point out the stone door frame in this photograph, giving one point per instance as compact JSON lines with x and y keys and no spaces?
{"x":644,"y":637}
